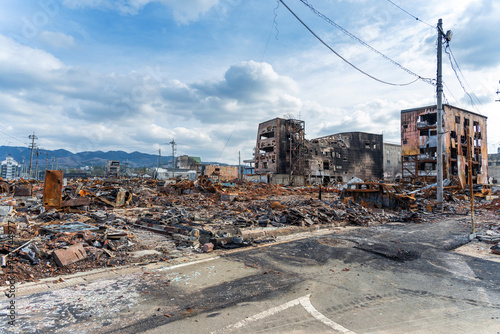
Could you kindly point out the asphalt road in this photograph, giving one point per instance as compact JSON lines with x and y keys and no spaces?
{"x":401,"y":278}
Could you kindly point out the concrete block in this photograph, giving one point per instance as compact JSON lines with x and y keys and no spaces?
{"x":72,"y":254}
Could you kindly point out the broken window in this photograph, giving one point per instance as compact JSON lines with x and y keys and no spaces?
{"x":405,"y":141}
{"x":326,"y":165}
{"x":344,"y":159}
{"x":367,"y":146}
{"x":388,"y":162}
{"x":264,"y":164}
{"x":457,"y":119}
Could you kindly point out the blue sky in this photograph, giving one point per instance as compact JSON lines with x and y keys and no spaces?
{"x":133,"y":74}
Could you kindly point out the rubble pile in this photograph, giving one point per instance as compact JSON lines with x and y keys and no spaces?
{"x":115,"y":222}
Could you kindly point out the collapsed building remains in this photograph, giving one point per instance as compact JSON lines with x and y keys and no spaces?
{"x":282,"y":149}
{"x":419,"y":145}
{"x":113,"y":168}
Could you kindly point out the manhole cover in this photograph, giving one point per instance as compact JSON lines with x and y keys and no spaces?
{"x":336,"y":242}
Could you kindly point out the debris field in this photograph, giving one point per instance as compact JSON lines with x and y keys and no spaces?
{"x":53,"y":229}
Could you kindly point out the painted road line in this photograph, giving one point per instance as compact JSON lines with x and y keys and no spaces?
{"x":305,"y":301}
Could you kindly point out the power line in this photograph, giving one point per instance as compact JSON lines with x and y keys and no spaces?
{"x":274,"y":26}
{"x":359,"y":40}
{"x":5,"y":133}
{"x":458,"y":77}
{"x":416,"y":18}
{"x":345,"y":31}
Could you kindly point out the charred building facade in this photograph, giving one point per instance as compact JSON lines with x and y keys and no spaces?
{"x":282,"y":149}
{"x":419,"y":145}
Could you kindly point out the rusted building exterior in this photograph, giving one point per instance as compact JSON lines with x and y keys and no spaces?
{"x":419,"y":144}
{"x":278,"y":143}
{"x":282,"y":149}
{"x":221,"y":173}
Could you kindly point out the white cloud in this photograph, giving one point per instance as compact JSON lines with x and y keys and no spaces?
{"x":56,"y":39}
{"x":184,"y":11}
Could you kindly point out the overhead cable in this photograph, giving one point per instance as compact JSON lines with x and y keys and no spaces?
{"x":416,"y":18}
{"x":454,"y":66}
{"x":351,"y":64}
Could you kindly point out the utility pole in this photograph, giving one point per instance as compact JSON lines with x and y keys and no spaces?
{"x":173,"y":158}
{"x":439,"y":91}
{"x":46,"y":160}
{"x":471,"y":188}
{"x":52,"y":163}
{"x":23,"y":169}
{"x":239,"y":165}
{"x":32,"y":137}
{"x":36,"y":164}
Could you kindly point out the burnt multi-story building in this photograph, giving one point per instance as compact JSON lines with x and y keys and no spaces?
{"x":282,"y":149}
{"x":113,"y":168}
{"x":419,"y":144}
{"x":278,"y":143}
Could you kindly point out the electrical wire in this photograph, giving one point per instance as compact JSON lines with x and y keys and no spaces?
{"x":449,"y":91}
{"x":250,"y":91}
{"x":460,"y":71}
{"x":458,"y":77}
{"x":359,"y":40}
{"x":416,"y":18}
{"x":5,"y":133}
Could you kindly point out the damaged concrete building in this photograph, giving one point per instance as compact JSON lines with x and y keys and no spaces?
{"x":283,"y":150}
{"x":419,"y":145}
{"x":392,"y":162}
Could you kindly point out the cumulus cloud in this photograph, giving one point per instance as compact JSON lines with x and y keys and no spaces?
{"x":184,"y":11}
{"x":56,"y":39}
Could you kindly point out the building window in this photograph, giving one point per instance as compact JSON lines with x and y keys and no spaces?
{"x":339,"y":167}
{"x":457,"y":119}
{"x":405,"y":141}
{"x":367,"y":146}
{"x":326,"y":165}
{"x":388,"y":162}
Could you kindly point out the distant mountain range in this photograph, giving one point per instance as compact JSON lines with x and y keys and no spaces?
{"x":66,"y":159}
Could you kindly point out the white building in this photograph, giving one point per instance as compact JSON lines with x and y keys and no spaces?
{"x":9,"y":168}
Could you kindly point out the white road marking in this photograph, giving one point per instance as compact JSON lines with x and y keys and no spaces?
{"x":305,"y":301}
{"x":188,"y":264}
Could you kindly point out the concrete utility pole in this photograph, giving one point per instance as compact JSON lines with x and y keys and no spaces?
{"x":471,"y":187}
{"x":239,"y":165}
{"x":36,"y":163}
{"x":173,"y":157}
{"x":439,"y":90}
{"x":32,"y":137}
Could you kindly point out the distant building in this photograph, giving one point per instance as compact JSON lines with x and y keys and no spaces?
{"x":113,"y":168}
{"x":392,"y":161}
{"x":283,"y":150}
{"x":419,"y":145}
{"x":494,"y":167}
{"x":220,"y":173}
{"x":187,"y":162}
{"x":9,"y":168}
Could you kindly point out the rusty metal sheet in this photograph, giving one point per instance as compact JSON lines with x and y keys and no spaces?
{"x":23,"y":190}
{"x":52,"y":190}
{"x":74,"y":202}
